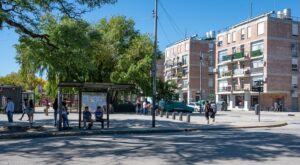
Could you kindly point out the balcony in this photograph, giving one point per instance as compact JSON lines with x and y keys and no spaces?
{"x":238,"y":87}
{"x":256,"y":53}
{"x":226,"y":73}
{"x":259,"y":70}
{"x":225,"y":89}
{"x":238,"y":72}
{"x":247,"y":87}
{"x":238,"y":55}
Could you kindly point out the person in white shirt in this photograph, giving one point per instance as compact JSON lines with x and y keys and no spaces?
{"x":9,"y":109}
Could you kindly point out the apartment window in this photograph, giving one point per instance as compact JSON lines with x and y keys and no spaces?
{"x":249,"y":31}
{"x":222,"y":85}
{"x":295,"y":81}
{"x":184,"y":59}
{"x":256,"y":78}
{"x":210,"y":82}
{"x":295,"y":48}
{"x":295,"y":29}
{"x":243,"y":34}
{"x":223,"y":69}
{"x":220,"y":41}
{"x":233,"y":36}
{"x":185,"y":83}
{"x":260,"y":28}
{"x":233,"y":50}
{"x":228,"y":38}
{"x":211,"y":46}
{"x":242,"y":48}
{"x":294,"y":67}
{"x":187,"y":46}
{"x":257,"y":46}
{"x":222,"y":54}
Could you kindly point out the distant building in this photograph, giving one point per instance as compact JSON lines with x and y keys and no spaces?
{"x":263,"y":48}
{"x":190,"y":64}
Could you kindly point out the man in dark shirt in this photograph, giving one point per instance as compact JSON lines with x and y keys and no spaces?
{"x":87,"y":117}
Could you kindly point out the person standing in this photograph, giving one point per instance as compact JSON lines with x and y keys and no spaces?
{"x":145,"y":107}
{"x":47,"y":107}
{"x":138,"y":106}
{"x":9,"y":109}
{"x":55,"y":108}
{"x":65,"y":114}
{"x":207,"y":110}
{"x":275,"y":106}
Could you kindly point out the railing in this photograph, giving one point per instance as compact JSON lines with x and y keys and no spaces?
{"x":225,"y":89}
{"x":226,"y":73}
{"x":238,"y":55}
{"x":257,"y":70}
{"x":226,"y":58}
{"x":256,"y":53}
{"x":239,"y":71}
{"x":238,"y":87}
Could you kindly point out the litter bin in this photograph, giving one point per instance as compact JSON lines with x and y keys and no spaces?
{"x":257,"y":109}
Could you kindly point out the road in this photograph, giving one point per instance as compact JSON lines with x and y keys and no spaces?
{"x":250,"y":146}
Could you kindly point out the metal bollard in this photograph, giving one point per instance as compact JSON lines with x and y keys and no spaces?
{"x":188,"y":118}
{"x":161,"y":114}
{"x":180,"y":116}
{"x":174,"y":115}
{"x":167,"y":115}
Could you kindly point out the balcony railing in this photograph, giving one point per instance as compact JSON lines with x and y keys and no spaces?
{"x":257,"y":70}
{"x":225,"y":89}
{"x":238,"y":55}
{"x":239,"y":72}
{"x":256,"y":53}
{"x":226,"y":73}
{"x":226,"y":58}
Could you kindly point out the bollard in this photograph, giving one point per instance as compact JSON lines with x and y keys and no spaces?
{"x":180,"y":116}
{"x":161,"y":114}
{"x":174,"y":115}
{"x":188,"y":118}
{"x":167,"y":115}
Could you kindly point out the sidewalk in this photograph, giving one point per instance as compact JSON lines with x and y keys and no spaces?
{"x":132,"y":123}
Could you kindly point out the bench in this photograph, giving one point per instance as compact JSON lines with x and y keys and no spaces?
{"x":99,"y":121}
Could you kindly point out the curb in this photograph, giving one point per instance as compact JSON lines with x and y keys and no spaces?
{"x":129,"y":131}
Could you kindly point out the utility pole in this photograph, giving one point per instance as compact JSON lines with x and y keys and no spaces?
{"x":154,"y":64}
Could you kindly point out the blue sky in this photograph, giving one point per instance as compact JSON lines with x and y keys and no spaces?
{"x":182,"y":18}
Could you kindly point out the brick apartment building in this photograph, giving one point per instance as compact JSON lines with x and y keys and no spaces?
{"x":262,"y":48}
{"x":190,"y":64}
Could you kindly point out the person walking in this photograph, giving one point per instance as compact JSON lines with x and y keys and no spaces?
{"x":213,"y":111}
{"x":276,"y":106}
{"x":55,"y":108}
{"x":138,"y":106}
{"x":207,"y":110}
{"x":24,"y":108}
{"x":9,"y":109}
{"x":30,"y":111}
{"x":47,"y":107}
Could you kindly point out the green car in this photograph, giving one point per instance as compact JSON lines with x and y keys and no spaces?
{"x":174,"y":106}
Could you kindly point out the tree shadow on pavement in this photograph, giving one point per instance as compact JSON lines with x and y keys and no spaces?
{"x":176,"y":148}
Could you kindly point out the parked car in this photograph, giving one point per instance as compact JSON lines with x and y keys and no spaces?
{"x":174,"y":106}
{"x":194,"y":105}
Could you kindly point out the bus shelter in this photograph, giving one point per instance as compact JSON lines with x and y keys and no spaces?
{"x":90,"y":94}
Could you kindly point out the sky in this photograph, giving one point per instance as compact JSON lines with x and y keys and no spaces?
{"x":177,"y":19}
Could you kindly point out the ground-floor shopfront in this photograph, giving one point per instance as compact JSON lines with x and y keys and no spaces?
{"x":247,"y":101}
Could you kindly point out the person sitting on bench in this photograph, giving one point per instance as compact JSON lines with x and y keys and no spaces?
{"x":99,"y":114}
{"x":87,"y":117}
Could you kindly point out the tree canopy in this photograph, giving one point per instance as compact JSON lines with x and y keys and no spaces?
{"x":25,"y":15}
{"x":110,"y":51}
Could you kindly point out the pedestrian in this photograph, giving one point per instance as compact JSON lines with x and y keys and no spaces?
{"x":207,"y":110}
{"x":87,"y":117}
{"x":138,"y":106}
{"x":30,"y":111}
{"x":276,"y":106}
{"x":213,"y":111}
{"x":47,"y":107}
{"x":64,"y":114}
{"x":24,"y":108}
{"x":9,"y":109}
{"x":55,"y":108}
{"x":145,"y":107}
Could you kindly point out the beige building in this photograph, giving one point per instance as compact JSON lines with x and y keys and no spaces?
{"x":190,"y":64}
{"x":262,"y":48}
